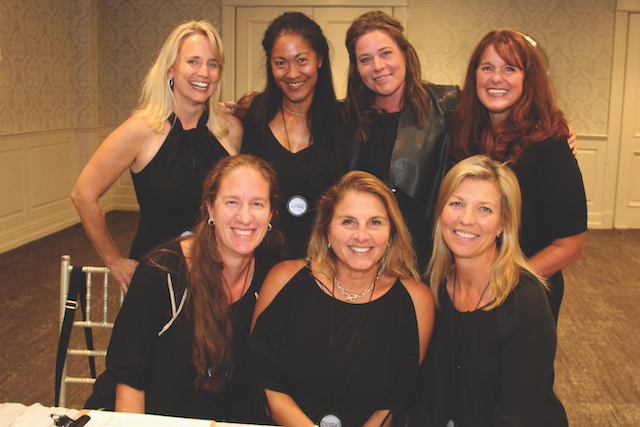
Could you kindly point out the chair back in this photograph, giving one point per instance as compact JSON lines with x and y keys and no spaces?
{"x":102,"y":320}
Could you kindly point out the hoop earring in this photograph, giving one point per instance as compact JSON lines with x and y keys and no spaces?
{"x":170,"y":83}
{"x":211,"y":222}
{"x":269,"y":227}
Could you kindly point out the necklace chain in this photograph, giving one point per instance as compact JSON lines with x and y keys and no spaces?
{"x":350,"y":296}
{"x":293,"y":112}
{"x":453,"y":298}
{"x":244,"y":285}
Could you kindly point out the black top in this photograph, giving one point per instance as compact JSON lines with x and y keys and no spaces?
{"x":554,"y":204}
{"x":376,"y":155}
{"x":169,"y":188}
{"x":161,"y":365}
{"x":503,"y":369}
{"x":299,"y":174}
{"x":334,"y":356}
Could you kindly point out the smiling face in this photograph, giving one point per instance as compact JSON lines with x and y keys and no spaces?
{"x":472,"y":219}
{"x":359,"y":232}
{"x":195,"y":72}
{"x":295,"y":66}
{"x":241,"y":212}
{"x":382,"y":67}
{"x":498,"y":84}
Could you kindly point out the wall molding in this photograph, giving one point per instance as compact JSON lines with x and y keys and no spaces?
{"x":628,"y":5}
{"x":38,"y":170}
{"x":592,"y":159}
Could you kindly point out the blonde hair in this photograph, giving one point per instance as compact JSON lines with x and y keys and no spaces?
{"x":398,"y":261}
{"x":157,"y":101}
{"x":510,"y":262}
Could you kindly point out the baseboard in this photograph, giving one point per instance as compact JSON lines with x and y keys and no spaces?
{"x":33,"y":230}
{"x":601,"y":220}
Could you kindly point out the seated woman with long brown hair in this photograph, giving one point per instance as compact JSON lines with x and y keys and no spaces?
{"x":178,"y":341}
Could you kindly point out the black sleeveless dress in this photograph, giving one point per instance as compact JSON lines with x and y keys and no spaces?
{"x":169,"y":188}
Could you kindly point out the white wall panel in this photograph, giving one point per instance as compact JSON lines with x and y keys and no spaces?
{"x":37,"y":173}
{"x":11,"y":194}
{"x":51,"y":173}
{"x":592,"y":156}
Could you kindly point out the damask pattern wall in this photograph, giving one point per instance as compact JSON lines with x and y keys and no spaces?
{"x":576,"y":35}
{"x":134,"y":31}
{"x":36,"y":65}
{"x":81,"y":62}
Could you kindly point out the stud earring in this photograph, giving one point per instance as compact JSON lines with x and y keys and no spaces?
{"x":211,"y":222}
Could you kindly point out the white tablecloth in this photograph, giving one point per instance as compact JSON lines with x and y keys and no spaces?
{"x":36,"y":415}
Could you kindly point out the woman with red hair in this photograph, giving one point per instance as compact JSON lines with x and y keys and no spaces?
{"x":507,"y":112}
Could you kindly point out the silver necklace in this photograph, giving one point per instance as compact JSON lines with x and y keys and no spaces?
{"x":350,"y":296}
{"x":293,"y":112}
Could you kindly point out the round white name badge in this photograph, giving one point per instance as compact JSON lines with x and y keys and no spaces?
{"x":330,"y":420}
{"x":297,"y":206}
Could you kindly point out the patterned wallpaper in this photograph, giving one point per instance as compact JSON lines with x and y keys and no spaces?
{"x":36,"y":69}
{"x":134,"y":31}
{"x":81,"y":62}
{"x":576,"y":35}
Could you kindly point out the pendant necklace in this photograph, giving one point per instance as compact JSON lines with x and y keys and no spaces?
{"x":453,"y":341}
{"x":331,"y":419}
{"x":244,"y":287}
{"x":297,"y":205}
{"x":235,"y":312}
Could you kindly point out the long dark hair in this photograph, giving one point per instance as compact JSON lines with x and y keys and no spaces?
{"x":206,"y":306}
{"x":533,"y":118}
{"x":360,"y":99}
{"x":323,"y":117}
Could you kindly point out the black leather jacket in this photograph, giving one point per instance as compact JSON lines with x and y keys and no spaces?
{"x":419,"y":159}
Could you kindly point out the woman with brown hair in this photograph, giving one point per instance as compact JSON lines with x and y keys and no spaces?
{"x":400,"y":122}
{"x":507,"y":112}
{"x":338,"y":338}
{"x":179,"y":339}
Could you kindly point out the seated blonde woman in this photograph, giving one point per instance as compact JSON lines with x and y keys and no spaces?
{"x":491,"y":357}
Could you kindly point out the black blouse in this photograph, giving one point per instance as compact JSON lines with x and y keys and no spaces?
{"x":492,"y":368}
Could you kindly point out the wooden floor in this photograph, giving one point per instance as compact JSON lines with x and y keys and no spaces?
{"x":597,"y":365}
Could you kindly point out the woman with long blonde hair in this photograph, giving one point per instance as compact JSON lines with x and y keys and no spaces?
{"x":169,"y":145}
{"x":491,"y":356}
